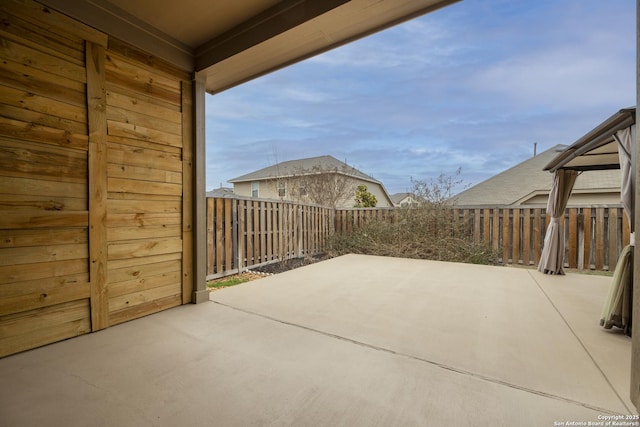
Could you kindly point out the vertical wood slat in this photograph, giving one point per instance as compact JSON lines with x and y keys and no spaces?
{"x":586,"y":212}
{"x":572,"y":240}
{"x":269,"y":229}
{"x":256,"y":233}
{"x":517,"y":256}
{"x":298,"y":228}
{"x":228,"y":239}
{"x":626,"y":229}
{"x":263,"y":235}
{"x":486,"y":224}
{"x":537,"y":235}
{"x":280,"y":231}
{"x":496,"y":229}
{"x":249,"y":234}
{"x":276,"y":230}
{"x":291,"y":234}
{"x":219,"y":227}
{"x":476,"y":225}
{"x":526,"y":236}
{"x":506,"y":238}
{"x":211,"y":237}
{"x":97,"y":126}
{"x":581,"y":239}
{"x":599,"y":239}
{"x":305,"y":228}
{"x":240,"y":232}
{"x":613,"y":242}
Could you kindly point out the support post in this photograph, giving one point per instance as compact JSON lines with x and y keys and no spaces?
{"x":635,"y":346}
{"x":200,"y":292}
{"x":97,"y":156}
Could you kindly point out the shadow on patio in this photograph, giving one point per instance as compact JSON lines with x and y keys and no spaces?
{"x":356,"y":340}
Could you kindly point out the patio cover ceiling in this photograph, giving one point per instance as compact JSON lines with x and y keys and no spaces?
{"x":229,"y":41}
{"x":597,"y":150}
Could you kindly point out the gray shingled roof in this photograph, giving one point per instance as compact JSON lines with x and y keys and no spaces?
{"x":398,"y":197}
{"x":297,"y":167}
{"x":528,"y":178}
{"x":220,"y":192}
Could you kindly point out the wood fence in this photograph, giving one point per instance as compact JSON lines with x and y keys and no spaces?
{"x":246,"y":232}
{"x":594,"y":236}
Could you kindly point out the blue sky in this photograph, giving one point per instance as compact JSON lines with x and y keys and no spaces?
{"x":471,"y":86}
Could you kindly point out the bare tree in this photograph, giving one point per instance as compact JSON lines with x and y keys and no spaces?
{"x":317,"y":185}
{"x":438,"y":192}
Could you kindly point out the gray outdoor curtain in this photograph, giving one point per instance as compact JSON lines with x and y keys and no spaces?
{"x":618,"y":305}
{"x":552,"y":257}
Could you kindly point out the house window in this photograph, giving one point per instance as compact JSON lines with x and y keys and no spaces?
{"x":303,"y":191}
{"x":282,"y":189}
{"x":255,"y":189}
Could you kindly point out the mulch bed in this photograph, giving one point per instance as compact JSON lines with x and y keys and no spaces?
{"x":269,"y":269}
{"x":290,"y":264}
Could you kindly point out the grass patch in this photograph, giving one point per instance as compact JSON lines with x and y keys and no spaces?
{"x":225,"y":283}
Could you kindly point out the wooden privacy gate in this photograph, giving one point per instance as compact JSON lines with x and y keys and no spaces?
{"x":95,"y":180}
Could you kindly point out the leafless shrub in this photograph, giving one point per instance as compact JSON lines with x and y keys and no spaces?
{"x":430,"y":230}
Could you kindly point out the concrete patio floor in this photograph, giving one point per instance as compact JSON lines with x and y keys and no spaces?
{"x":352,"y":341}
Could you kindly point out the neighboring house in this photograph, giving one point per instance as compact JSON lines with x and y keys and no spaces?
{"x":403,"y":200}
{"x":528,"y":184}
{"x":319,"y":180}
{"x":221,"y":192}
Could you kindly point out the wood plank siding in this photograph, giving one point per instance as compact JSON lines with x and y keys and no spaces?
{"x":95,"y":162}
{"x":144,"y":182}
